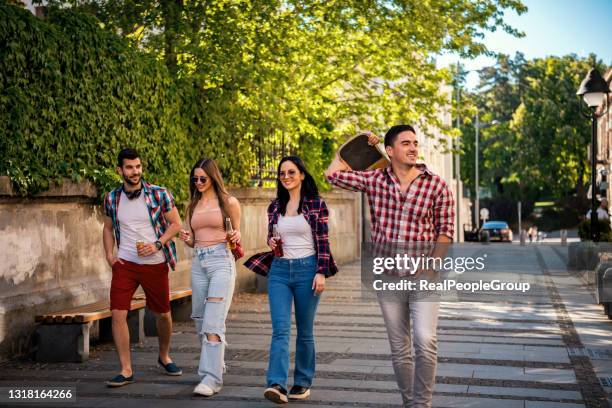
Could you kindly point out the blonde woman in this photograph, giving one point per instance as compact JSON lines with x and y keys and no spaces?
{"x":213,"y":269}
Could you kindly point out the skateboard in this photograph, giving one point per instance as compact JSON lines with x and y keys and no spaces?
{"x":359,"y":155}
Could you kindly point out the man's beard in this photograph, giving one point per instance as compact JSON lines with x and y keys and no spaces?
{"x":130,"y":182}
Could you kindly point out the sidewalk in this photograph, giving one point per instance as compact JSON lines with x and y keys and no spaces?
{"x":490,"y":354}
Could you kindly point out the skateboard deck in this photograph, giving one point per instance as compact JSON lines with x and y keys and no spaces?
{"x":359,"y":155}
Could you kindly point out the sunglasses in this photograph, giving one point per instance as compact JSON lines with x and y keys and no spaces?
{"x":290,"y":173}
{"x":133,"y":194}
{"x":201,"y":179}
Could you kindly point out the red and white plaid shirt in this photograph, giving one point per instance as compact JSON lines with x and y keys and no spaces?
{"x":422,"y":214}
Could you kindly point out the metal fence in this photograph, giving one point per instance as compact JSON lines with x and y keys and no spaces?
{"x":268,"y":151}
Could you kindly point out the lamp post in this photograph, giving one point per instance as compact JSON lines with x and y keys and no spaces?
{"x":594,"y":90}
{"x":477,"y":127}
{"x":476,"y":178}
{"x":458,"y":164}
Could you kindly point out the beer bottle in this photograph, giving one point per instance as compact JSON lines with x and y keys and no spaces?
{"x":228,"y":230}
{"x":278,"y":250}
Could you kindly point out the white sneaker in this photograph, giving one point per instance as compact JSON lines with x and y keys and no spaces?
{"x":205,"y":390}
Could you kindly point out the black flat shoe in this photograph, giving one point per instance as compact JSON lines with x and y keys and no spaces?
{"x":299,"y":393}
{"x":119,"y":381}
{"x":170,"y":368}
{"x":276,"y":394}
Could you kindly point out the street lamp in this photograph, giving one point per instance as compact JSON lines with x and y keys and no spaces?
{"x":477,"y":127}
{"x":593,"y":90}
{"x":457,"y":144}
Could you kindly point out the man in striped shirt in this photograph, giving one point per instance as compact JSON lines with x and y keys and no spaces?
{"x":411,"y":205}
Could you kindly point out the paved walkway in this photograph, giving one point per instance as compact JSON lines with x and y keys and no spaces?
{"x":491,"y":354}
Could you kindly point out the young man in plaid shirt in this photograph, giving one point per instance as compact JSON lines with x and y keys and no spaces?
{"x":408,"y":205}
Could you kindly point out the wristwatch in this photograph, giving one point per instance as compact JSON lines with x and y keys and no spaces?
{"x":159,"y":245}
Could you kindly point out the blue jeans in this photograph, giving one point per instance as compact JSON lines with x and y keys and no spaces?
{"x":290,"y":280}
{"x":213,"y":275}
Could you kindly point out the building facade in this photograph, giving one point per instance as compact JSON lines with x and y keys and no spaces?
{"x":36,"y":9}
{"x":604,"y":146}
{"x":435,"y":151}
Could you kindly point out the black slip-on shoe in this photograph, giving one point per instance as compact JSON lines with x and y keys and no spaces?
{"x":276,"y":394}
{"x":120,"y":380}
{"x":170,"y":368}
{"x":298,"y":392}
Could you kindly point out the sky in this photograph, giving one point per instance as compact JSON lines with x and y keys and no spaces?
{"x":551,"y":27}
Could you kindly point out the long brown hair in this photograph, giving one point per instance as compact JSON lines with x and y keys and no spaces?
{"x":212,"y":172}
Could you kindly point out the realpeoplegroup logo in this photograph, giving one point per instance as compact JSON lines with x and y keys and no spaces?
{"x":402,"y":264}
{"x":454,"y":273}
{"x":451,"y":285}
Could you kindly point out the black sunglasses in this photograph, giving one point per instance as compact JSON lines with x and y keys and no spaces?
{"x":201,"y":179}
{"x":290,"y":173}
{"x":133,"y":194}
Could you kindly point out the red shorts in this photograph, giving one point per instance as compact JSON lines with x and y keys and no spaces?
{"x":153,"y":279}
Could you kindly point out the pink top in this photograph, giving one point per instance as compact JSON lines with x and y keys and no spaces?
{"x":208,"y":227}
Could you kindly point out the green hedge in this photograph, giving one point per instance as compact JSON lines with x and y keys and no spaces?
{"x":605,"y":232}
{"x":72,"y":95}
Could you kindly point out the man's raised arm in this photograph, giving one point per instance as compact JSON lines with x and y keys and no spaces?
{"x":336,"y":165}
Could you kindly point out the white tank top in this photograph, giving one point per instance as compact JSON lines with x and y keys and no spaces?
{"x":135,"y":224}
{"x":296,"y":237}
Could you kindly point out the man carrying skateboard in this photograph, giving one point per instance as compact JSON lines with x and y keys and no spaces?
{"x":408,"y":204}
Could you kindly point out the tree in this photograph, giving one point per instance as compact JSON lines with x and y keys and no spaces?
{"x":552,"y":133}
{"x":534,"y":141}
{"x":301,"y":74}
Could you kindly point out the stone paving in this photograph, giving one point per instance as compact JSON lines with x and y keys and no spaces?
{"x":545,"y":354}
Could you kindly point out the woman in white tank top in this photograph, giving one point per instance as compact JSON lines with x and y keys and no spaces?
{"x":295,"y":275}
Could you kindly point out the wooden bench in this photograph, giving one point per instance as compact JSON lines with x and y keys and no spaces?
{"x":63,"y":336}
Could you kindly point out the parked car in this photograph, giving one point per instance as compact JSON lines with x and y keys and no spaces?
{"x":496,"y":231}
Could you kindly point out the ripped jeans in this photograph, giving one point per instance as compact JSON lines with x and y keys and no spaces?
{"x":213,"y":274}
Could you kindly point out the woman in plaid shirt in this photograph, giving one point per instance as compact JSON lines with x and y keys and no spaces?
{"x":298,"y":275}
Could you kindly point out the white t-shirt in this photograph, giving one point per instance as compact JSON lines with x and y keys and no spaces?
{"x":602,"y":214}
{"x":296,"y":237}
{"x":135,"y":224}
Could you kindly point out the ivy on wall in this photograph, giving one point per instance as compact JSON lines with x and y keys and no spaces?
{"x":72,"y":95}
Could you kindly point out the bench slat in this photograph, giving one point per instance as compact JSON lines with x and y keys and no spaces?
{"x":85,"y":308}
{"x":101,"y":309}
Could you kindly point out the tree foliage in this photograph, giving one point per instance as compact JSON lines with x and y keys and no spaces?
{"x":533,"y":144}
{"x":72,"y":94}
{"x":248,"y":75}
{"x":553,"y":134}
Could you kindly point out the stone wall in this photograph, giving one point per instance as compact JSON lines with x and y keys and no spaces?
{"x":52,"y":254}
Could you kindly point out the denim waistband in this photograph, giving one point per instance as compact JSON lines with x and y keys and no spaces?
{"x":211,"y":249}
{"x":296,"y":261}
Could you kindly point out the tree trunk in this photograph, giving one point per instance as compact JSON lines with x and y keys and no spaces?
{"x":171,"y":10}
